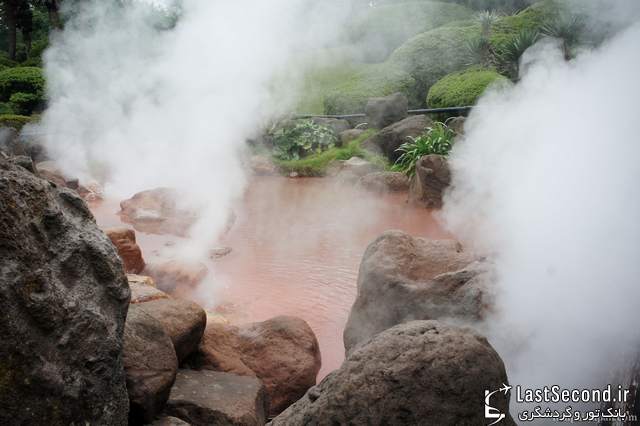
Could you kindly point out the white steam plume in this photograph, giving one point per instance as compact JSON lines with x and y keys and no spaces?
{"x":546,"y":180}
{"x":148,"y":107}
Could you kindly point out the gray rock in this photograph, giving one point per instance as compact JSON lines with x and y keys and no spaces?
{"x":431,"y":179}
{"x":206,"y":397}
{"x":337,"y":125}
{"x":150,"y":363}
{"x":403,"y":278}
{"x":64,"y":298}
{"x":389,"y":139}
{"x":387,"y":110}
{"x":169,"y":421}
{"x":457,"y":124}
{"x":350,"y":135}
{"x":385,"y":182}
{"x":417,"y":373}
{"x":353,"y":169}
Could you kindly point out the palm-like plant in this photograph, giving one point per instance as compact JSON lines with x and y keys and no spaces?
{"x":479,"y":49}
{"x":568,"y":29}
{"x":510,"y":53}
{"x":437,"y":139}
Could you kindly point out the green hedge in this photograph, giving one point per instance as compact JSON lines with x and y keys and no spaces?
{"x":462,"y":88}
{"x":25,"y":103}
{"x":21,"y":79}
{"x":15,"y":121}
{"x":379,"y":30}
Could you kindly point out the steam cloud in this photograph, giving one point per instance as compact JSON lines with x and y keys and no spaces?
{"x":546,"y":180}
{"x":140,"y":107}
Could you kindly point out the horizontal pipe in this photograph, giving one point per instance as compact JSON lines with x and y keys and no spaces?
{"x":411,"y":112}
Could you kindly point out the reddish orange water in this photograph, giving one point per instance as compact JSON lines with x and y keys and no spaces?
{"x":297,"y":245}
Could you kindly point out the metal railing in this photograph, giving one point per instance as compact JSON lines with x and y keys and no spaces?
{"x":462,"y":109}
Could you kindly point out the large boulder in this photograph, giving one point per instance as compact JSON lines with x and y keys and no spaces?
{"x":204,"y":398}
{"x":173,"y":275}
{"x":353,"y":169}
{"x":64,"y":299}
{"x":384,"y":182}
{"x":350,"y":135}
{"x":150,"y":363}
{"x":389,"y":139}
{"x":403,"y":278}
{"x":431,"y":179}
{"x":157,"y":211}
{"x":282,"y":352}
{"x":417,"y":373}
{"x":387,"y":110}
{"x":124,"y":239}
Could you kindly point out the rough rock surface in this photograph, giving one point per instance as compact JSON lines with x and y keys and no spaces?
{"x":206,"y":397}
{"x":385,"y":182}
{"x":403,"y":278}
{"x":389,"y":139}
{"x":169,"y":421}
{"x":430,"y":181}
{"x":175,"y":274}
{"x":337,"y":125}
{"x":417,"y":373}
{"x":387,"y":110}
{"x":64,"y":299}
{"x":183,"y":321}
{"x":350,"y":135}
{"x":150,"y":363}
{"x":353,"y":169}
{"x":157,"y":211}
{"x":125,"y":241}
{"x":282,"y":352}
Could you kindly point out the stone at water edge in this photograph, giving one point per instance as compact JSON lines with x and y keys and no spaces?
{"x":212,"y":398}
{"x":219,"y":252}
{"x":64,"y":299}
{"x":352,"y":169}
{"x":282,"y":352}
{"x":387,"y":110}
{"x":175,"y":274}
{"x":143,"y":289}
{"x":337,"y":125}
{"x":150,"y":363}
{"x":382,"y":182}
{"x":416,"y":373}
{"x":261,"y":165}
{"x":402,"y":278}
{"x":430,"y":181}
{"x":124,"y":239}
{"x":389,"y":139}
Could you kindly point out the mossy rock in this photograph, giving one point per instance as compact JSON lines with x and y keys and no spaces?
{"x":350,"y":94}
{"x":381,"y":29}
{"x":430,"y":56}
{"x":21,"y":79}
{"x":462,"y":88}
{"x":13,"y":120}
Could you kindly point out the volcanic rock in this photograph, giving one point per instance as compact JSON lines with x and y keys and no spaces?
{"x":337,"y":125}
{"x":206,"y":397}
{"x":125,"y":241}
{"x":169,"y":421}
{"x":175,"y":274}
{"x":64,"y":298}
{"x":403,"y":278}
{"x":387,"y":110}
{"x":384,"y":182}
{"x":282,"y":352}
{"x":350,"y":135}
{"x":156,"y":211}
{"x":417,"y":373}
{"x":389,"y":139}
{"x":150,"y":363}
{"x":430,"y":181}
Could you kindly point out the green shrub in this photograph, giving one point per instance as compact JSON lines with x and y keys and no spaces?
{"x":21,"y":79}
{"x":351,"y":93}
{"x":381,"y":29}
{"x":437,"y":139}
{"x":533,"y":18}
{"x":15,"y":121}
{"x":430,"y":56}
{"x":24,"y":103}
{"x":6,"y":108}
{"x":462,"y":88}
{"x":301,"y":138}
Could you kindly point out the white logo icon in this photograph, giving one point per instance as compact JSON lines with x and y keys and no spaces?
{"x":492,"y":412}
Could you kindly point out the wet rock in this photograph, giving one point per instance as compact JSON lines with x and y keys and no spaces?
{"x":387,"y":110}
{"x":282,"y":352}
{"x":64,"y":298}
{"x":350,"y":135}
{"x":337,"y":125}
{"x":143,"y":289}
{"x":401,"y":279}
{"x":219,"y":252}
{"x":124,"y":240}
{"x":457,"y":125}
{"x":10,"y":143}
{"x":389,"y":139}
{"x":169,"y":421}
{"x":385,"y":182}
{"x":25,"y":162}
{"x":430,"y":181}
{"x":353,"y":169}
{"x":150,"y":363}
{"x":207,"y":397}
{"x":156,"y":211}
{"x":262,"y":166}
{"x":174,"y":274}
{"x":50,"y":171}
{"x":417,"y":373}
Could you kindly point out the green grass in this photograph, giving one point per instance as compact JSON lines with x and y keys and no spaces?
{"x":317,"y":164}
{"x":462,"y":88}
{"x":15,"y":121}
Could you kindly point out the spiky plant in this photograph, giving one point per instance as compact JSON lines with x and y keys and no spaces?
{"x":437,"y":139}
{"x":568,"y":29}
{"x":510,"y":53}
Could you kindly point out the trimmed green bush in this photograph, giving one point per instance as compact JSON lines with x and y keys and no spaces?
{"x":350,"y":94}
{"x":532,"y":18}
{"x":24,"y":103}
{"x":15,"y":121}
{"x":380,"y":30}
{"x":462,"y":88}
{"x":21,"y":79}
